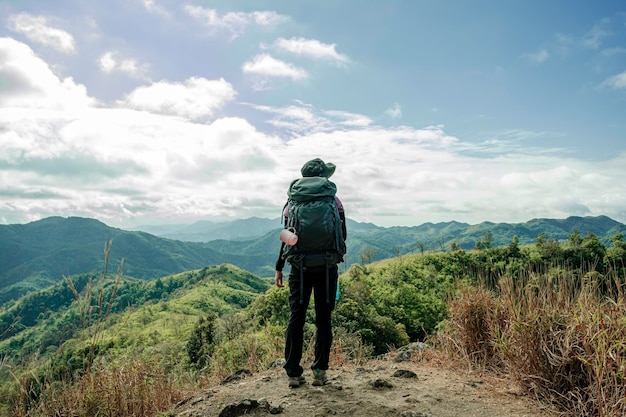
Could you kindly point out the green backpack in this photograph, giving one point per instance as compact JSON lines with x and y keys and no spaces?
{"x":313,"y":213}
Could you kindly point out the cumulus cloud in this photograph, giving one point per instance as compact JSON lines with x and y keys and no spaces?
{"x":195,"y":99}
{"x":109,"y":62}
{"x":617,"y":81}
{"x":395,"y":111}
{"x":234,"y":23}
{"x":153,"y":7}
{"x":37,"y":29}
{"x":29,"y":82}
{"x":268,"y":66}
{"x":172,"y":168}
{"x":311,"y":48}
{"x":136,"y":161}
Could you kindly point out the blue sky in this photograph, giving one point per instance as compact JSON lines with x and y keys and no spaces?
{"x":149,"y":111}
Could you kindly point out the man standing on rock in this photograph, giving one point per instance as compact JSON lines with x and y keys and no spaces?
{"x":315,"y":214}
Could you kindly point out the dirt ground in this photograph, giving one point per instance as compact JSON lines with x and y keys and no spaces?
{"x":378,"y":389}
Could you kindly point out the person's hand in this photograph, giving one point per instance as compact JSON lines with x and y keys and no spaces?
{"x":278,"y":279}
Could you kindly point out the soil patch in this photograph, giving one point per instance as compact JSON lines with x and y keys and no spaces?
{"x":380,"y":388}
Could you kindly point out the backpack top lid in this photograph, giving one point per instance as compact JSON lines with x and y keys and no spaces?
{"x":311,"y":188}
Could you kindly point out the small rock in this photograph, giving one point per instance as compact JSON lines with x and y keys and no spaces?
{"x":244,"y":407}
{"x":236,"y":376}
{"x":197,"y":401}
{"x":278,"y":363}
{"x":380,"y":384}
{"x":193,"y":400}
{"x":405,"y":353}
{"x":403,"y":373}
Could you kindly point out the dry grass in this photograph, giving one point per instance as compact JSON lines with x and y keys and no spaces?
{"x":134,"y":388}
{"x":561,"y":335}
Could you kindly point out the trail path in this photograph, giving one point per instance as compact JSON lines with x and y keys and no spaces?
{"x":380,"y":388}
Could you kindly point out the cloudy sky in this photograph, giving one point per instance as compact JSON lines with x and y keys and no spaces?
{"x":150,"y":111}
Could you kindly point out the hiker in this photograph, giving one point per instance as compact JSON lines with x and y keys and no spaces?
{"x":311,"y":270}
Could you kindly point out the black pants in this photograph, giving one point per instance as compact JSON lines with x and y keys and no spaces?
{"x":324,"y":297}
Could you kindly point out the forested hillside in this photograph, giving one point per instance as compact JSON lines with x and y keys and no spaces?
{"x":43,"y":320}
{"x":38,"y":254}
{"x":68,"y":342}
{"x":41,"y":253}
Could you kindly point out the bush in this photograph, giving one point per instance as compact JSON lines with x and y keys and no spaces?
{"x":561,"y":338}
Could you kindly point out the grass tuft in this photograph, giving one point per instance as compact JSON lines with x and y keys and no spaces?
{"x":562,"y":337}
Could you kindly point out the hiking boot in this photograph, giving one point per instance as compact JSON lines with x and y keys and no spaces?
{"x":319,"y":377}
{"x":296,"y":381}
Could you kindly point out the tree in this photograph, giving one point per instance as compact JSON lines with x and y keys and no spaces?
{"x":513,"y":248}
{"x":485,"y":242}
{"x":367,"y":254}
{"x":617,"y":254}
{"x":202,"y":340}
{"x":574,"y":239}
{"x":593,"y":249}
{"x":420,"y":246}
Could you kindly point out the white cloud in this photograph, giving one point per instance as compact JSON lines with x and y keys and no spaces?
{"x":29,"y":82}
{"x":593,"y":38}
{"x":349,"y":119}
{"x":153,"y":7}
{"x":298,"y":119}
{"x":617,"y":81}
{"x":109,"y":63}
{"x":195,"y":99}
{"x":36,"y":29}
{"x":60,"y":154}
{"x":303,"y":119}
{"x":615,"y":51}
{"x":268,"y":66}
{"x":121,"y":164}
{"x":234,"y":23}
{"x":538,"y":57}
{"x":311,"y":48}
{"x":395,"y":112}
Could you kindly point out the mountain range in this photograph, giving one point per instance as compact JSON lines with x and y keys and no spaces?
{"x":38,"y":254}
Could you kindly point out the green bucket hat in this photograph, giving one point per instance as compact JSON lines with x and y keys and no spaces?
{"x":317,"y":168}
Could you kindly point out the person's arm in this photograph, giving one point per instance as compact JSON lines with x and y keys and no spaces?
{"x":278,"y":279}
{"x":280,"y":264}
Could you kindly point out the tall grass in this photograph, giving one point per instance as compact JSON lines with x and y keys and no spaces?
{"x":134,"y":388}
{"x":560,"y":333}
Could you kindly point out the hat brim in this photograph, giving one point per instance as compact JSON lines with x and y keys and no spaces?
{"x":329,"y":170}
